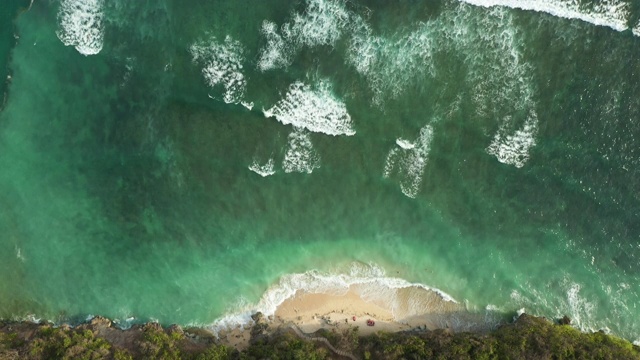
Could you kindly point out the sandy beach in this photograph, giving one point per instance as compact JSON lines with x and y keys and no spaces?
{"x":412,"y":308}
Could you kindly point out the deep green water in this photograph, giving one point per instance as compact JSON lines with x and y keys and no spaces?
{"x":125,"y":187}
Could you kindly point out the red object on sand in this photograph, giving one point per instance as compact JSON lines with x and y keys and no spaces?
{"x":354,"y":318}
{"x":370,"y":322}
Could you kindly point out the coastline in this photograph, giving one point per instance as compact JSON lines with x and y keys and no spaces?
{"x":315,"y":311}
{"x":311,"y":312}
{"x":527,"y":337}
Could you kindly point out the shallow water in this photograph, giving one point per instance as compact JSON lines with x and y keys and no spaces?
{"x":171,"y":162}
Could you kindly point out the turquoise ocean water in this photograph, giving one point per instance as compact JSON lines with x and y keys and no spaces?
{"x":182,"y":161}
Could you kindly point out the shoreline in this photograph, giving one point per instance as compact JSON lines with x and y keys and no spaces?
{"x":410,"y":322}
{"x":411,"y":309}
{"x":526,"y":337}
{"x":397,"y":311}
{"x":314,"y":311}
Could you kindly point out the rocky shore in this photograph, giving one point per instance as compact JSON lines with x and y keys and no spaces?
{"x":528,"y":337}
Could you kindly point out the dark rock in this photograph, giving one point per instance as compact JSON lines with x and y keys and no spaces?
{"x":201,"y":334}
{"x":152,"y":326}
{"x":175,"y":329}
{"x":565,"y":320}
{"x":100,"y":321}
{"x":258,"y":318}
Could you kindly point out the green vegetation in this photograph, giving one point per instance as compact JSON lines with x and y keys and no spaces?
{"x":53,"y":343}
{"x":527,"y":338}
{"x":284,"y":346}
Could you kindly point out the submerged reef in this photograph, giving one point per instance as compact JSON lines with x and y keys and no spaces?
{"x":528,"y":337}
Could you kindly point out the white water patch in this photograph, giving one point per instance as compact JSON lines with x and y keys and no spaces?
{"x":486,"y":41}
{"x":315,"y":109}
{"x":321,"y":23}
{"x":222,"y":65}
{"x":247,"y":105}
{"x":408,"y":162}
{"x":501,"y":80}
{"x":610,"y":13}
{"x":370,"y":280}
{"x":405,"y":144}
{"x":636,"y":30}
{"x":580,"y":309}
{"x":19,"y":254}
{"x":263,"y":170}
{"x":391,"y":63}
{"x":277,"y":53}
{"x":513,"y":147}
{"x":80,"y":24}
{"x":571,"y":303}
{"x":300,"y":155}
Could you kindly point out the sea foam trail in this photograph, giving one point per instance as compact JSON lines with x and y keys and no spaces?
{"x":81,"y":25}
{"x":222,"y":65}
{"x":391,"y":63}
{"x":321,"y":23}
{"x":409,"y":161}
{"x":370,"y":279}
{"x":300,"y":155}
{"x":263,"y":170}
{"x":315,"y":109}
{"x":610,"y":13}
{"x":509,"y":88}
{"x":578,"y":302}
{"x":513,"y":148}
{"x":277,"y":53}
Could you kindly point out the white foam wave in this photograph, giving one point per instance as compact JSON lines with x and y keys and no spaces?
{"x":264,"y":170}
{"x":405,"y":144}
{"x":513,"y":148}
{"x":222,"y":65}
{"x":81,"y":25}
{"x":500,"y":79}
{"x":247,"y":105}
{"x":390,"y":64}
{"x":636,"y":30}
{"x":321,"y":23}
{"x":19,"y":254}
{"x":580,"y":309}
{"x":409,"y":162}
{"x":300,"y":155}
{"x":571,"y":302}
{"x":371,"y":281}
{"x":610,"y":13}
{"x":315,"y":109}
{"x":277,"y":53}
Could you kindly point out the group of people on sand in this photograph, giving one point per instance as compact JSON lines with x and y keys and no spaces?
{"x":370,"y":322}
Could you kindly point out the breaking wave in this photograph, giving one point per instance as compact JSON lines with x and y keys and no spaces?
{"x":315,"y":109}
{"x":513,"y":148}
{"x":276,"y":54}
{"x":322,"y":23}
{"x":409,"y":161}
{"x":263,"y":170}
{"x":222,"y":65}
{"x":81,"y":25}
{"x":610,"y":13}
{"x":300,"y":155}
{"x":501,"y":81}
{"x":372,"y":285}
{"x":393,"y":62}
